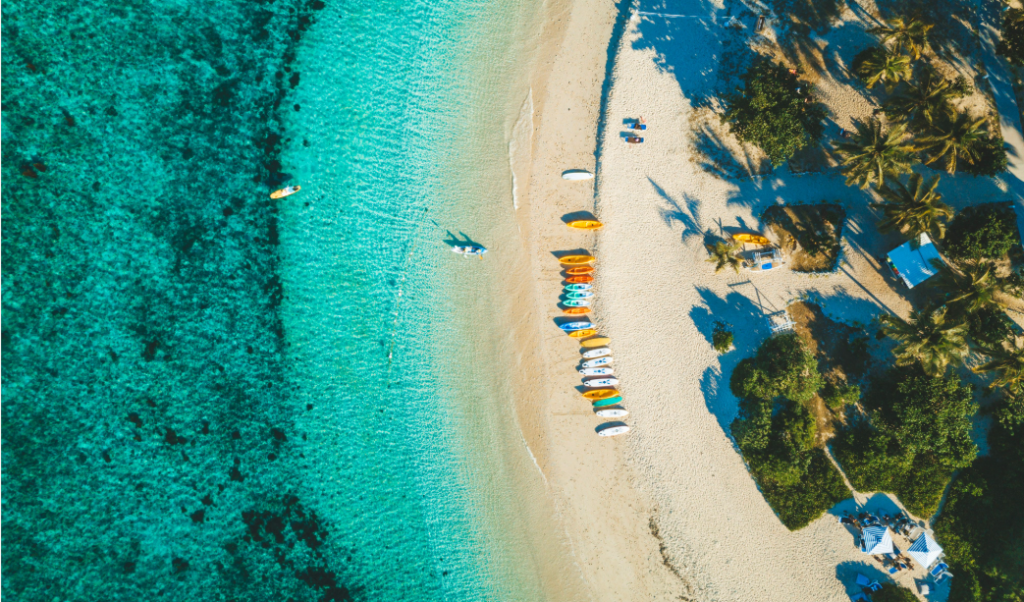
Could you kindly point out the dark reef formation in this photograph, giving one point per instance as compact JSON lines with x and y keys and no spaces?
{"x":149,"y":437}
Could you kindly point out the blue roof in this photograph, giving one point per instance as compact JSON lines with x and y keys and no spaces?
{"x":914,"y":266}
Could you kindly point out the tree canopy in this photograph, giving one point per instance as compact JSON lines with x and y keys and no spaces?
{"x":783,"y":367}
{"x":1012,"y":44}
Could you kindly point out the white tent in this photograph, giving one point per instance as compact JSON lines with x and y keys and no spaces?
{"x":876,"y":540}
{"x":924,"y":550}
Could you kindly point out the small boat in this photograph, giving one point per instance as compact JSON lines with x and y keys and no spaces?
{"x":582,"y":334}
{"x":601,"y":394}
{"x":608,"y":401}
{"x":750,"y":237}
{"x":470,"y":251}
{"x":597,"y":342}
{"x":576,"y":174}
{"x":580,"y":295}
{"x":576,"y":303}
{"x":579,"y":287}
{"x":611,"y":431}
{"x":601,"y":382}
{"x":597,"y":372}
{"x":576,"y":259}
{"x":599,"y":352}
{"x":581,"y":270}
{"x":634,"y":140}
{"x":575,"y":311}
{"x":289,"y":191}
{"x":596,"y":363}
{"x":579,"y":279}
{"x":585,"y":224}
{"x":575,"y":326}
{"x":613,"y":413}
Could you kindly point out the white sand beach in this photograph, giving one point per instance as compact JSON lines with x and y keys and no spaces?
{"x":669,"y":512}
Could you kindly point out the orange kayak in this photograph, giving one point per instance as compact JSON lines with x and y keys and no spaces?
{"x":579,"y":279}
{"x":585,"y":224}
{"x":600,"y":394}
{"x":576,"y":259}
{"x":576,"y":311}
{"x":582,"y":334}
{"x":280,"y":194}
{"x":583,"y":269}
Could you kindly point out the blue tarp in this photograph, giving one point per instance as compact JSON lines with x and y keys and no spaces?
{"x":914,"y":266}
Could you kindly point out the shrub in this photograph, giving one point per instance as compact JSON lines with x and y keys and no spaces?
{"x":891,"y":592}
{"x":986,"y":231}
{"x":989,"y":326}
{"x":1012,"y":44}
{"x":836,"y":396}
{"x":774,"y":112}
{"x":799,"y":493}
{"x":991,"y":158}
{"x":783,"y":367}
{"x":721,"y":338}
{"x":961,"y":88}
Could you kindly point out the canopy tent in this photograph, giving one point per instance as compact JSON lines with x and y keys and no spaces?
{"x":925,"y":551}
{"x":876,"y":540}
{"x":914,"y":266}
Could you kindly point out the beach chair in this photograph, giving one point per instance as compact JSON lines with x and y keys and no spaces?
{"x":875,"y":586}
{"x":862,"y":580}
{"x":939,"y":568}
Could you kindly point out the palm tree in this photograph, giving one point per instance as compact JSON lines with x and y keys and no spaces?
{"x":882,"y":65}
{"x":723,"y":254}
{"x":922,"y":104}
{"x":873,"y":154}
{"x":914,"y":209}
{"x":1007,"y":362}
{"x":956,"y":139}
{"x":911,"y":35}
{"x":973,"y":286}
{"x":929,"y":337}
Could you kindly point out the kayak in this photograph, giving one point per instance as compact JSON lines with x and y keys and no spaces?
{"x":582,"y":334}
{"x":601,"y":382}
{"x":599,"y":352}
{"x":597,"y":342}
{"x":601,"y":394}
{"x":597,"y":372}
{"x":469,"y":251}
{"x":575,"y":326}
{"x":616,"y":413}
{"x":579,"y":287}
{"x":579,"y":279}
{"x":581,"y":270}
{"x":576,"y":303}
{"x":576,"y":174}
{"x":608,"y":401}
{"x":576,"y":311}
{"x":757,"y":239}
{"x":611,"y":431}
{"x":601,"y":361}
{"x":576,"y":259}
{"x":580,"y":295}
{"x":585,"y":224}
{"x":280,"y":194}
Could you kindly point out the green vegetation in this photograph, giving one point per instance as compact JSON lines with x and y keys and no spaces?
{"x":817,"y":229}
{"x":921,"y":105}
{"x":959,"y":138}
{"x":905,"y":34}
{"x":891,"y":592}
{"x":1007,"y":361}
{"x":930,"y":337}
{"x":1012,"y":44}
{"x":913,"y":209}
{"x":723,"y":255}
{"x":986,"y":231}
{"x":973,"y":286}
{"x":880,"y":65}
{"x":916,"y":434}
{"x":837,"y":395}
{"x":873,"y":154}
{"x":721,"y":338}
{"x":796,"y":478}
{"x":774,"y":111}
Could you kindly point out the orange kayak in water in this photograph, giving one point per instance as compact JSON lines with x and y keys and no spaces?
{"x":579,"y":279}
{"x":280,"y":194}
{"x":583,"y":269}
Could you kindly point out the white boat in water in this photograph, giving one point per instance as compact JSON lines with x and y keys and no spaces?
{"x":597,"y":372}
{"x":469,"y":251}
{"x":613,"y":413}
{"x":611,"y":431}
{"x":601,"y":382}
{"x":576,"y":174}
{"x":599,"y":352}
{"x":601,"y":361}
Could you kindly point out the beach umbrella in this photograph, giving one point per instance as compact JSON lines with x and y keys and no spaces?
{"x":876,"y":540}
{"x":924,"y":550}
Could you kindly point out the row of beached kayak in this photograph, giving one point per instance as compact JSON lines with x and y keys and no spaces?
{"x":596,"y":363}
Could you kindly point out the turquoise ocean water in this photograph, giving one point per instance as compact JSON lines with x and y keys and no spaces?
{"x":211,"y":396}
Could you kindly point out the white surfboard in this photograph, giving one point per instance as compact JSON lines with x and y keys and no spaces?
{"x":576,"y":174}
{"x":613,"y":413}
{"x":597,"y":363}
{"x":599,"y":352}
{"x":601,"y":382}
{"x":597,"y":372}
{"x":613,"y":430}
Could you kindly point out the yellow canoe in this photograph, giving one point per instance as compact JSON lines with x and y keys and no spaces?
{"x":600,"y":394}
{"x":576,"y":259}
{"x":596,"y":342}
{"x":582,"y":334}
{"x":280,"y":194}
{"x":756,"y":239}
{"x":585,"y":224}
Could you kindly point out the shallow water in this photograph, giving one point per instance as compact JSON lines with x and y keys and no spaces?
{"x":208,"y":395}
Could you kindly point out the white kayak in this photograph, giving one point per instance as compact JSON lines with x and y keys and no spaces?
{"x":580,"y":295}
{"x":611,"y":431}
{"x":597,"y":372}
{"x":601,"y":361}
{"x":602,"y":382}
{"x":576,"y":303}
{"x":586,"y":286}
{"x":613,"y":413}
{"x":576,"y":174}
{"x":599,"y":352}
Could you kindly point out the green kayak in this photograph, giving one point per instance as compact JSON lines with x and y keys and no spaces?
{"x":607,"y":402}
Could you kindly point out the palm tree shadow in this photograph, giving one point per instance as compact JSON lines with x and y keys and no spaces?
{"x":461,"y":240}
{"x":674,"y":212}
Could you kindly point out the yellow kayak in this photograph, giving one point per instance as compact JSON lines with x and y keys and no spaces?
{"x":585,"y":224}
{"x":600,"y":394}
{"x":582,"y":334}
{"x":596,"y":342}
{"x":576,"y":259}
{"x":756,"y":239}
{"x":280,"y":194}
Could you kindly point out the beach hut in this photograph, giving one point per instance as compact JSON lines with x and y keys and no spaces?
{"x":876,"y":540}
{"x":925,"y":551}
{"x":911,"y":265}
